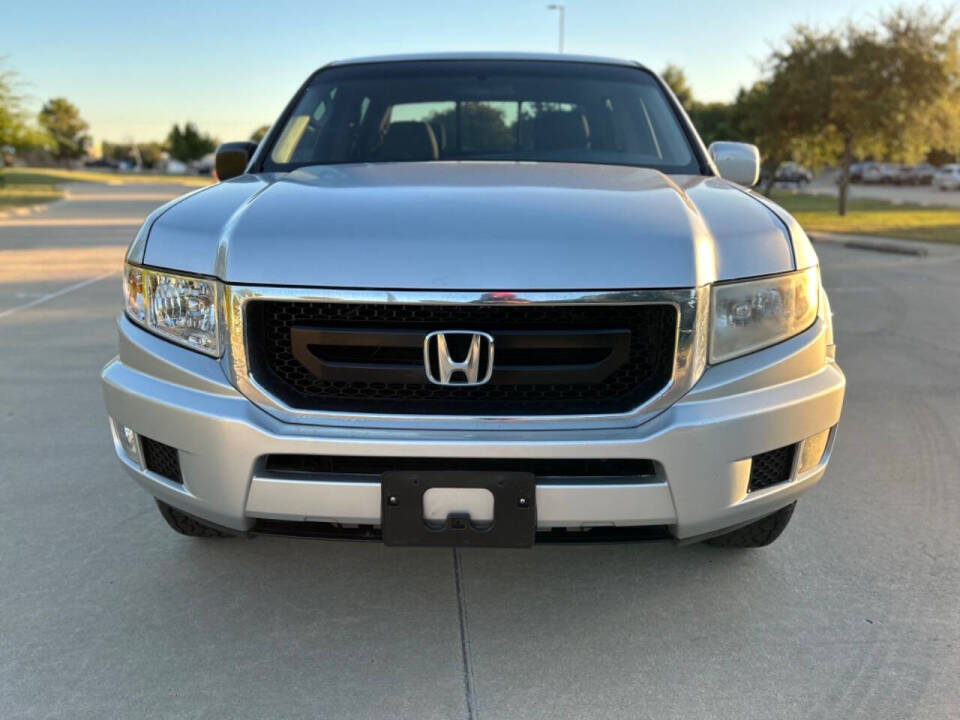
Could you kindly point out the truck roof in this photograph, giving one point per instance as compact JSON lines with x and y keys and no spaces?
{"x":553,"y":57}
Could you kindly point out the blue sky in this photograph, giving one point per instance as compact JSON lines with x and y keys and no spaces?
{"x":135,"y":68}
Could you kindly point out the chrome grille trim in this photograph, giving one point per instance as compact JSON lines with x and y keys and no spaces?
{"x":689,"y":359}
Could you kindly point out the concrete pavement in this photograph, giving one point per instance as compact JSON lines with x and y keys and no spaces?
{"x":104,"y":612}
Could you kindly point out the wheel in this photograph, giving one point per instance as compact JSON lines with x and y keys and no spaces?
{"x":186,"y":525}
{"x":757,"y":534}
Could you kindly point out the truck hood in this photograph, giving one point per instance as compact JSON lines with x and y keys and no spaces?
{"x":471,"y":226}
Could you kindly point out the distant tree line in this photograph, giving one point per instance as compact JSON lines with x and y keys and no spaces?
{"x":59,"y":133}
{"x":890,"y":90}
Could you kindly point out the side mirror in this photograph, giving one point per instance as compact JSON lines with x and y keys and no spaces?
{"x":737,"y":162}
{"x":233,"y":158}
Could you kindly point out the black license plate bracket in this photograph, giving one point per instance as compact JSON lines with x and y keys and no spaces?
{"x":514,"y":509}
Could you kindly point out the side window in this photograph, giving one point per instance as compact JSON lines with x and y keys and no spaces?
{"x":300,"y":135}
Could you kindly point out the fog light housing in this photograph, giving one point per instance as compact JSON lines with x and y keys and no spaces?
{"x":812,"y":451}
{"x":126,"y":440}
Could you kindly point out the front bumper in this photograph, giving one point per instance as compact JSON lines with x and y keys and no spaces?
{"x":702,"y":445}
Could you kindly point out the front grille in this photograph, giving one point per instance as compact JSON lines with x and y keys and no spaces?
{"x":771,"y":467}
{"x":551,"y":359}
{"x":161,"y":459}
{"x":552,"y":470}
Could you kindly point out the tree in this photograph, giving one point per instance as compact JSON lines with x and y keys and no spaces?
{"x":15,"y":128}
{"x":61,"y":119}
{"x":259,"y":133}
{"x":759,"y":120}
{"x":715,"y":121}
{"x":676,"y":79}
{"x":889,"y":89}
{"x":189,"y":144}
{"x":147,"y":154}
{"x":753,"y":117}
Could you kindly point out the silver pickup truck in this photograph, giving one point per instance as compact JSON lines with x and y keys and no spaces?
{"x":477,"y":300}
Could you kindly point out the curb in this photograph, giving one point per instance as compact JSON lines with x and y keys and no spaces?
{"x":880,"y":247}
{"x":883,"y":245}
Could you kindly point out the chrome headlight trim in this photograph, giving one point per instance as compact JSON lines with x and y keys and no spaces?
{"x":689,"y":359}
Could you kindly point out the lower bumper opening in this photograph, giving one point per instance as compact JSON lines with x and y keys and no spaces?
{"x":552,"y":470}
{"x":161,"y":459}
{"x":771,"y":468}
{"x":372,"y":533}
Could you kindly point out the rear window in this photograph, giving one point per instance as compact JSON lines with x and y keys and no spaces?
{"x":483,"y":110}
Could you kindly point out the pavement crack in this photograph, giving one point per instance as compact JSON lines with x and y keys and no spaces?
{"x":468,"y":686}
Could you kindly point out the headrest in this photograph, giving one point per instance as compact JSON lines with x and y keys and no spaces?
{"x":409,"y":140}
{"x":561,"y":131}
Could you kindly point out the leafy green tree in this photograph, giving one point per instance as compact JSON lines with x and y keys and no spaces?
{"x":889,"y":89}
{"x":61,"y":119}
{"x":259,"y":133}
{"x":753,"y":117}
{"x":676,"y":79}
{"x":188,"y":144}
{"x":16,"y":131}
{"x":148,"y":154}
{"x":759,"y":119}
{"x":716,"y":121}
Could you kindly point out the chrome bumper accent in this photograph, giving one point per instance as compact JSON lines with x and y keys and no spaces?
{"x":585,"y":505}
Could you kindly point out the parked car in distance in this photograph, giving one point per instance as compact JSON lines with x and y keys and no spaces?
{"x":890,"y":173}
{"x":205,"y":165}
{"x":791,"y":172}
{"x":921,"y":174}
{"x":101,"y":163}
{"x":477,"y":300}
{"x":902,"y":175}
{"x":871,"y":173}
{"x":947,"y":177}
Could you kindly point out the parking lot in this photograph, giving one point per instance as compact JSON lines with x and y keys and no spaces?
{"x":825,"y":184}
{"x":105,"y":612}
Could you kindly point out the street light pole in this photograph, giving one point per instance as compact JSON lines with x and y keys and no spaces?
{"x":559,"y":9}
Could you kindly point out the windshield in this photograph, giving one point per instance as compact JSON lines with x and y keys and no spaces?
{"x":482,"y":110}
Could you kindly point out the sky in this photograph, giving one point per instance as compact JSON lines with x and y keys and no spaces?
{"x":135,"y":68}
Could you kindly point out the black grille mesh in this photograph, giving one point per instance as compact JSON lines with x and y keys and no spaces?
{"x":652,"y":329}
{"x":771,"y":467}
{"x":161,"y":459}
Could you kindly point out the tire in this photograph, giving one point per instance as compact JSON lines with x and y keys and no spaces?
{"x":186,"y":525}
{"x":757,"y":534}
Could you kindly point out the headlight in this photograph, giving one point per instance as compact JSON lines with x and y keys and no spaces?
{"x":748,"y":316}
{"x":178,"y":307}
